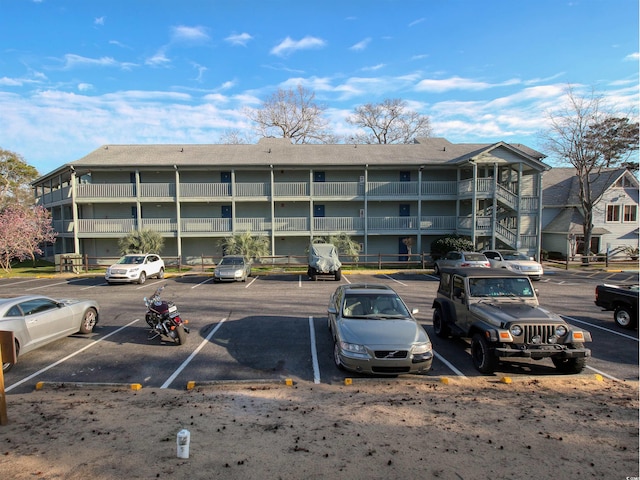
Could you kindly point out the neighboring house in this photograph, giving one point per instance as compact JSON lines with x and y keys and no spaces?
{"x":384,"y":197}
{"x":615,"y":214}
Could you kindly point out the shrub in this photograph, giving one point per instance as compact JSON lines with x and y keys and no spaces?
{"x":450,"y":243}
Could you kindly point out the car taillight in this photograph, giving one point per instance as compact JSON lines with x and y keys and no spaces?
{"x":465,"y":264}
{"x":487,"y":264}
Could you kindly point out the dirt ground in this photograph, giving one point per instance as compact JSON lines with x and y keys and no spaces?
{"x":572,"y":427}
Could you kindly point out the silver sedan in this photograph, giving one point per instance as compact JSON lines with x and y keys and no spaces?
{"x":374,"y":332}
{"x":36,"y":321}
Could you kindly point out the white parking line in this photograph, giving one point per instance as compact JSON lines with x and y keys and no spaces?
{"x":68,"y":356}
{"x":314,"y":352}
{"x":193,"y":354}
{"x":150,"y":284}
{"x":604,"y":374}
{"x":54,"y":284}
{"x":608,"y":330}
{"x":20,"y":282}
{"x":251,"y":282}
{"x":202,"y":283}
{"x":448,"y":364}
{"x":397,"y":281}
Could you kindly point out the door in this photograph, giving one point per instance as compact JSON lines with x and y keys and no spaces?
{"x":318,"y":210}
{"x":402,"y":249}
{"x":45,"y":321}
{"x":318,"y":176}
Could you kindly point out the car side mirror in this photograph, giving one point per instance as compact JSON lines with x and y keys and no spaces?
{"x":332,"y":310}
{"x":414,"y":311}
{"x":535,"y":290}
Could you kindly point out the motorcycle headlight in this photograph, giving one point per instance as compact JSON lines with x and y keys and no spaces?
{"x":516,"y":330}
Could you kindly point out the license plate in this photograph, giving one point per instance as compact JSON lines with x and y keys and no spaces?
{"x":173,"y":308}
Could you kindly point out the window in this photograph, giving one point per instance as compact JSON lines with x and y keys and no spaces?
{"x":613,"y":213}
{"x":630,"y":213}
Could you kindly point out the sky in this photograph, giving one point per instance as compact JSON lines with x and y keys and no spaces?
{"x":79,"y":74}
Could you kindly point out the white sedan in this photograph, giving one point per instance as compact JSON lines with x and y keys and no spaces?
{"x":514,"y":261}
{"x":36,"y":321}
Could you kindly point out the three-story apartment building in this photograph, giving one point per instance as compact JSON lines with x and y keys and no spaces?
{"x":380,"y":195}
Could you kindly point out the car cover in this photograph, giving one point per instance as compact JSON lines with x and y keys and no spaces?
{"x":324,"y":257}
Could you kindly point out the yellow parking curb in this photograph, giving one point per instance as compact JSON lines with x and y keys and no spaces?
{"x":131,"y":386}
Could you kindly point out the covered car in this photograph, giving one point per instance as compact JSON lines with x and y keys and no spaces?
{"x":324,"y":261}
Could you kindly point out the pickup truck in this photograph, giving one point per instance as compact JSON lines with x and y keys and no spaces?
{"x":623,"y":300}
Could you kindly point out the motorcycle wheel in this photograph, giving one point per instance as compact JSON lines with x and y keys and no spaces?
{"x":181,"y":337}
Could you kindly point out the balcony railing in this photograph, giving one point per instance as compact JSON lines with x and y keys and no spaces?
{"x":191,"y":226}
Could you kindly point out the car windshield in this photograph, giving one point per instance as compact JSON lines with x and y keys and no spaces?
{"x":374,"y":306}
{"x":514,"y":256}
{"x":131,"y":260}
{"x":231,"y":261}
{"x":500,"y":287}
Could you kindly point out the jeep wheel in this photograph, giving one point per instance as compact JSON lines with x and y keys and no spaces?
{"x":439,"y":325}
{"x":570,"y":365}
{"x":623,"y":318}
{"x":481,"y":354}
{"x":436,"y":269}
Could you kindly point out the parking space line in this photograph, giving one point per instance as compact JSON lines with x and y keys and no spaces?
{"x":69,"y":356}
{"x":145,"y":285}
{"x":451,"y":367}
{"x":94,"y":286}
{"x":20,"y":282}
{"x":54,"y":284}
{"x":608,"y":330}
{"x":397,"y":281}
{"x":314,"y":352}
{"x":604,"y":374}
{"x":251,"y":282}
{"x":193,"y":354}
{"x":210,"y":279}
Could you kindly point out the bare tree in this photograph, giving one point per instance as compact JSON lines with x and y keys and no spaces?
{"x":292,"y":114}
{"x":15,"y":178}
{"x":234,"y":136}
{"x":591,"y":139}
{"x":389,"y":122}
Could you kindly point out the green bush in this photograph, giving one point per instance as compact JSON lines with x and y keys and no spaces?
{"x":450,"y":243}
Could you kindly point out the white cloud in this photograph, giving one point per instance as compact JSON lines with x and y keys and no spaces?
{"x":239,"y":39}
{"x":158,"y":60}
{"x":84,"y":87}
{"x":99,"y":21}
{"x":374,"y":67}
{"x":361,"y":45}
{"x":288,"y":45}
{"x":416,"y":22}
{"x":632,"y":57}
{"x":458,"y":83}
{"x":189,"y":34}
{"x":77,"y":61}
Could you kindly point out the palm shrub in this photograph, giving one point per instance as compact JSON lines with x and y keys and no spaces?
{"x":450,"y":243}
{"x":246,"y":244}
{"x":141,"y":241}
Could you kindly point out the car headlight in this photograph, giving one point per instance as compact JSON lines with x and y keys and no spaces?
{"x":421,"y":348}
{"x":516,"y":330}
{"x":353,"y":347}
{"x":561,"y":330}
{"x":134,"y":270}
{"x":238,"y":273}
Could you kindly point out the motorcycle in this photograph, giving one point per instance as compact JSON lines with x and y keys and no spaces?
{"x":164,"y":319}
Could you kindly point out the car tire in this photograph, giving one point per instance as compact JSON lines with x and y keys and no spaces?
{"x":440,"y":327}
{"x":336,"y":356}
{"x":623,"y":318}
{"x":436,"y":269}
{"x":338,"y":275}
{"x":570,"y":365}
{"x":89,"y":320}
{"x":142,"y":278}
{"x":482,"y":356}
{"x":161,"y":274}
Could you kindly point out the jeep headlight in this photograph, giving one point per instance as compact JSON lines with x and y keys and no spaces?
{"x":561,"y":330}
{"x":516,"y":330}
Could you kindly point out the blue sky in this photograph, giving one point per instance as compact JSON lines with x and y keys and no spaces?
{"x":78,"y":74}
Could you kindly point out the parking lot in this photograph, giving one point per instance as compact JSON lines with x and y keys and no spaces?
{"x":274,"y":327}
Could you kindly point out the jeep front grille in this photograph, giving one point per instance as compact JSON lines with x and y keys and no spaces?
{"x":543,"y":332}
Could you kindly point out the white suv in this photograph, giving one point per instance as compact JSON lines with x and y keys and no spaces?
{"x":135,"y":268}
{"x":515,"y":261}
